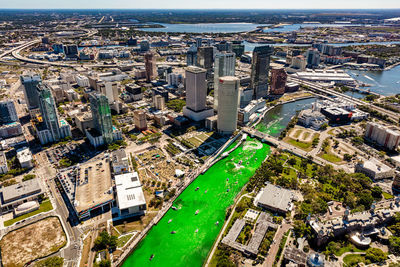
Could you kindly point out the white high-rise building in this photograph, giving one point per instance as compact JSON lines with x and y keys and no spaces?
{"x":196,"y":94}
{"x":224,"y":65}
{"x":82,"y":81}
{"x":228,"y":101}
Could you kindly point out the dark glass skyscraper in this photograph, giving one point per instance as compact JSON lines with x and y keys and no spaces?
{"x":31,"y":83}
{"x":259,"y":70}
{"x":102,"y":116}
{"x":8,"y":113}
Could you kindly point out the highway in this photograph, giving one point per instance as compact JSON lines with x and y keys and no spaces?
{"x":316,"y":87}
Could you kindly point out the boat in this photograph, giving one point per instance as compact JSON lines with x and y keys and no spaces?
{"x":227,"y":179}
{"x":197,"y":188}
{"x":173,"y":232}
{"x":174,"y":208}
{"x":170,"y":221}
{"x":196,"y":230}
{"x":240,"y":162}
{"x":197,"y":212}
{"x":205,"y":192}
{"x":217,"y":223}
{"x":227,"y":190}
{"x":151,"y":257}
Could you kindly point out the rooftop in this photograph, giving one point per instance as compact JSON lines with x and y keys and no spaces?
{"x":96,"y":189}
{"x":275,"y":197}
{"x":129,"y":190}
{"x":22,"y":189}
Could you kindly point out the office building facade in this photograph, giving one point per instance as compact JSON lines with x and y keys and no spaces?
{"x":224,"y":66}
{"x":278,"y":81}
{"x":150,"y":66}
{"x":259,"y":70}
{"x":228,"y":101}
{"x":101,"y":114}
{"x":31,"y":83}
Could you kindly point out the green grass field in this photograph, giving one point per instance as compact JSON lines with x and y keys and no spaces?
{"x":45,"y":206}
{"x":353,"y":260}
{"x":123,"y":240}
{"x":387,"y":195}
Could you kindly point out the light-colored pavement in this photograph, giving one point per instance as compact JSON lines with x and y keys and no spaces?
{"x":269,"y":261}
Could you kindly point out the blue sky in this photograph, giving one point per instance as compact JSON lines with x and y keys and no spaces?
{"x":201,"y":4}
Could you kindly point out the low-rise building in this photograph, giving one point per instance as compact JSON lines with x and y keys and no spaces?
{"x":120,"y":162}
{"x":14,"y":195}
{"x":245,"y":113}
{"x":25,"y":158}
{"x":275,"y":198}
{"x":312,"y":118}
{"x":374,"y":169}
{"x":10,"y":130}
{"x":130,"y":199}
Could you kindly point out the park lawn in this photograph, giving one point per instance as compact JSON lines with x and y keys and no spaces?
{"x":122,"y":240}
{"x":299,"y":144}
{"x":330,"y":157}
{"x":297,"y":133}
{"x":387,"y":195}
{"x":353,"y":259}
{"x":306,"y":135}
{"x":44,"y":206}
{"x":194,"y":141}
{"x":348,"y":248}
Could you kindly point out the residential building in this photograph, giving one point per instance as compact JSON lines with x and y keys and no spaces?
{"x":312,"y":58}
{"x":196,"y":93}
{"x":191,"y":56}
{"x":31,"y":83}
{"x":224,"y":66}
{"x":101,"y":114}
{"x":8,"y":113}
{"x":159,"y":102}
{"x":3,"y":163}
{"x":10,"y":129}
{"x":228,"y":102}
{"x":174,"y":79}
{"x":150,"y":66}
{"x":388,"y":137}
{"x":259,"y":70}
{"x":25,"y":158}
{"x":278,"y":81}
{"x":139,"y":117}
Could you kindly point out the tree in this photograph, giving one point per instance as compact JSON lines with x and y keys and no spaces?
{"x":375,"y":255}
{"x":105,"y":263}
{"x":315,"y":142}
{"x":104,"y":240}
{"x":347,"y":157}
{"x":28,"y":177}
{"x":324,"y":126}
{"x":300,"y":228}
{"x":51,"y":262}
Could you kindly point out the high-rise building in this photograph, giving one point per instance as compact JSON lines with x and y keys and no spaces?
{"x":259,"y":70}
{"x":8,"y":113}
{"x":139,"y":118}
{"x":71,"y":51}
{"x":31,"y":83}
{"x":151,"y":66}
{"x":312,"y":57}
{"x":298,"y":63}
{"x":205,"y":56}
{"x":144,"y":46}
{"x":224,"y":66}
{"x":191,"y":56}
{"x":159,"y":102}
{"x":228,"y":101}
{"x":101,"y":113}
{"x":382,"y":135}
{"x":51,"y":128}
{"x":278,"y":81}
{"x":238,"y":48}
{"x":196,"y":94}
{"x":199,"y":41}
{"x":224,"y":46}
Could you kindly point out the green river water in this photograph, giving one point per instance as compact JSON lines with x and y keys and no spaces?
{"x":195,"y":234}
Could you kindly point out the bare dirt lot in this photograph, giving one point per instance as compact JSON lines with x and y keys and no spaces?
{"x":32,"y":241}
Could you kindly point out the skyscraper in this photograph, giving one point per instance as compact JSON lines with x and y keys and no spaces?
{"x":199,"y":41}
{"x":196,"y":93}
{"x":71,"y":51}
{"x":8,"y":113}
{"x":140,"y":121}
{"x":228,"y":99}
{"x":259,"y":70}
{"x":101,"y":113}
{"x":191,"y":56}
{"x":31,"y":83}
{"x":150,"y":65}
{"x":48,"y":108}
{"x":224,"y":66}
{"x":205,"y":56}
{"x":278,"y":81}
{"x":312,"y":57}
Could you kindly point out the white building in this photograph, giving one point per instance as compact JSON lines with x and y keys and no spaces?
{"x":228,"y":102}
{"x":130,"y":198}
{"x":247,"y":112}
{"x":25,"y":158}
{"x":174,"y":79}
{"x":159,"y":102}
{"x":374,"y":169}
{"x":388,"y":137}
{"x":3,"y":163}
{"x":312,"y":118}
{"x":120,"y":162}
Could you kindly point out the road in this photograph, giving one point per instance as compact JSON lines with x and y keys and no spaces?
{"x":273,"y":249}
{"x":314,"y":86}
